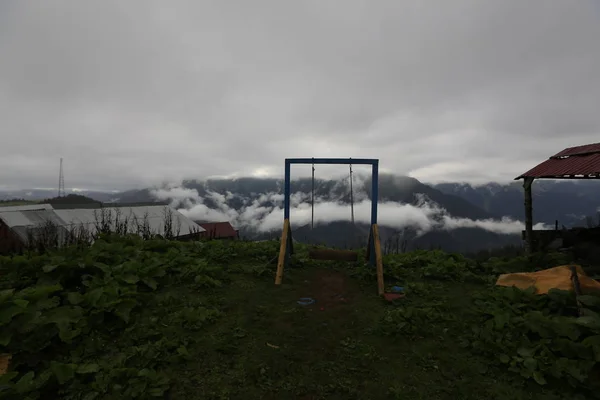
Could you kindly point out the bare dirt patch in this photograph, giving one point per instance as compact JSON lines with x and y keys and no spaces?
{"x":329,"y":289}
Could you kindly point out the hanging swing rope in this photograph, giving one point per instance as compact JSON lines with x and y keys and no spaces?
{"x":312,"y":199}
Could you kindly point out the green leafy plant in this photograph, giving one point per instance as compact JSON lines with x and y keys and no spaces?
{"x":413,"y":320}
{"x":127,"y":316}
{"x":60,"y":313}
{"x":537,"y":336}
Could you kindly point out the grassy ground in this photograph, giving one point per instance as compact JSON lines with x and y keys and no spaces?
{"x":132,"y":319}
{"x":271,"y":347}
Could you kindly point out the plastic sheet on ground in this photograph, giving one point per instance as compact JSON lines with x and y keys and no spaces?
{"x":552,"y":278}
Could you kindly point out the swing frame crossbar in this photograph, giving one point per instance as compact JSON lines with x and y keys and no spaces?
{"x":286,"y":249}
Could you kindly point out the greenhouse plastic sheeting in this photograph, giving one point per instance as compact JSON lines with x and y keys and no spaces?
{"x":552,"y":278}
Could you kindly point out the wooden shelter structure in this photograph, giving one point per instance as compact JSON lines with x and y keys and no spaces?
{"x":580,"y":162}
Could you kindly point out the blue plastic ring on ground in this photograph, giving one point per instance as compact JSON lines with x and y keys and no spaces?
{"x":305,"y":301}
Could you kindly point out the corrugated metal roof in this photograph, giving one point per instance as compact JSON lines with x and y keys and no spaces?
{"x":29,"y":221}
{"x":14,"y":218}
{"x":26,"y":207}
{"x":78,"y":218}
{"x":154,"y":215}
{"x":573,"y":162}
{"x":218,"y":230}
{"x":579,"y":150}
{"x":29,"y":218}
{"x":43,"y":216}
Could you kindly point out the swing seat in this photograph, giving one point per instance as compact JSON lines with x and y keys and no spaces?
{"x":333,"y":255}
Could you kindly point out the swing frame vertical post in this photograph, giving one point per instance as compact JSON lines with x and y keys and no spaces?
{"x":374,"y":191}
{"x":286,"y":248}
{"x":374,"y":255}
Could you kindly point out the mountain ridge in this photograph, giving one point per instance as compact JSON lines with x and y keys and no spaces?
{"x":229,"y":199}
{"x":568,"y":201}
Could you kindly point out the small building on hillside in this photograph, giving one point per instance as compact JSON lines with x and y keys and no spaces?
{"x":21,"y":225}
{"x":219,"y":230}
{"x":17,"y":224}
{"x":580,"y":162}
{"x":152,"y":219}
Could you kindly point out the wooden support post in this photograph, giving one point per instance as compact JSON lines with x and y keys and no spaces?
{"x":283,"y":251}
{"x":375,"y":256}
{"x":528,"y":215}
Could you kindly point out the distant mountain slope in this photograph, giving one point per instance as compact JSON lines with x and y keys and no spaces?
{"x":228,"y":198}
{"x":391,"y":188}
{"x":72,"y":199}
{"x":41,"y":194}
{"x":569,"y":202}
{"x":239,"y":193}
{"x":403,"y":189}
{"x":566,"y":201}
{"x":341,"y":234}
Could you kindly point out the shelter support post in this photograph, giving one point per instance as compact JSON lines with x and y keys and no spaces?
{"x":528,"y":215}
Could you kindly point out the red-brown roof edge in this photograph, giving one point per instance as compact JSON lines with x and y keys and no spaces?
{"x":219,"y":229}
{"x":580,"y":162}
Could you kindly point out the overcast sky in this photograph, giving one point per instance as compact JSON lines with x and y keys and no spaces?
{"x":138,"y":92}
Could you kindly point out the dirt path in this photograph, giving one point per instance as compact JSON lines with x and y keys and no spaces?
{"x":319,"y":329}
{"x":330,"y":289}
{"x":332,"y":293}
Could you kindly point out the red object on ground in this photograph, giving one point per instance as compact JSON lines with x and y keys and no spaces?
{"x":393,"y":296}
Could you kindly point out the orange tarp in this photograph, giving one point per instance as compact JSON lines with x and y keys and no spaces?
{"x":552,"y":278}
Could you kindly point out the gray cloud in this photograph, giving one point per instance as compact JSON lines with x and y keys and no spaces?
{"x":139,"y":92}
{"x":261,"y":215}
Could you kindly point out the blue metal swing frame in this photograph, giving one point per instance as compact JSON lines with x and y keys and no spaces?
{"x":374,"y":245}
